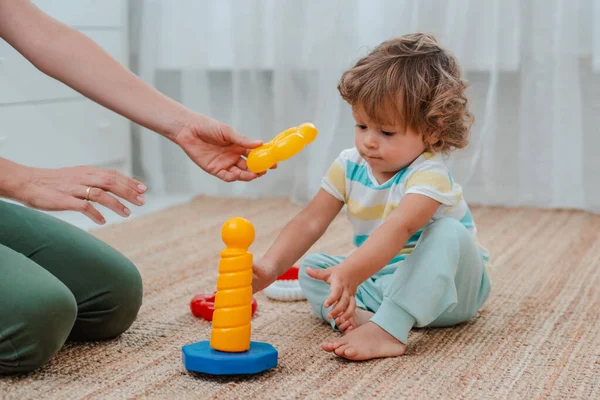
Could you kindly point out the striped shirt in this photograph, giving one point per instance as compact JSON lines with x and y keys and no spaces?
{"x":369,"y":204}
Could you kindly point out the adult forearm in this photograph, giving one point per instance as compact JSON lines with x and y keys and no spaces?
{"x":72,"y":58}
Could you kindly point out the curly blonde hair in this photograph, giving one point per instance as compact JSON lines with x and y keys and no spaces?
{"x":412,"y":80}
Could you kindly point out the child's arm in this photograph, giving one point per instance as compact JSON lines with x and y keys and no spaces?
{"x":296,"y":238}
{"x":413,"y":212}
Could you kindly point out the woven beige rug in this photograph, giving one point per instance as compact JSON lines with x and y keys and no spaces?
{"x":538,"y":335}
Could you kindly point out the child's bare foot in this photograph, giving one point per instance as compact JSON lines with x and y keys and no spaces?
{"x":364,"y":343}
{"x":359,"y":318}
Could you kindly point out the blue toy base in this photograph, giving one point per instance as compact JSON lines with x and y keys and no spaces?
{"x":200,"y":357}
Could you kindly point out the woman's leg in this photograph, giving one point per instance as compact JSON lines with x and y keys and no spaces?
{"x":37,"y":313}
{"x":106,"y":286}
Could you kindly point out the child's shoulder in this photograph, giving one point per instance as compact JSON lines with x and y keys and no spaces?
{"x":429,"y":176}
{"x":429,"y":168}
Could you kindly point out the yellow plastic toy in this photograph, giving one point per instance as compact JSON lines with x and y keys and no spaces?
{"x":233,"y":302}
{"x":285,"y":145}
{"x":230,"y":351}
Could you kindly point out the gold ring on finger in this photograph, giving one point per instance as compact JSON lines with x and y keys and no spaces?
{"x":87,"y":193}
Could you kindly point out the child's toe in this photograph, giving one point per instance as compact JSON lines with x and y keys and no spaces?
{"x":341,"y":350}
{"x":350,"y":352}
{"x":331,"y":344}
{"x":327,"y":346}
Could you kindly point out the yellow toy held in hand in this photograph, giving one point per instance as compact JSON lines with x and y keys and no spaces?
{"x":285,"y":145}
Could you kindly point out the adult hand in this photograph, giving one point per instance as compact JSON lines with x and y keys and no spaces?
{"x":216,"y":148}
{"x":72,"y":58}
{"x":67,"y":189}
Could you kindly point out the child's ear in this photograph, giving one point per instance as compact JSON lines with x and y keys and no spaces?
{"x":431,"y":140}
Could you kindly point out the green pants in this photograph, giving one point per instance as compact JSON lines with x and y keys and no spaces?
{"x":443,"y":282}
{"x":58,"y":283}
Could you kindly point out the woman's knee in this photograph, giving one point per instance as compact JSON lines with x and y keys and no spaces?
{"x":127,"y":293}
{"x":41,"y":330}
{"x":113,"y":311}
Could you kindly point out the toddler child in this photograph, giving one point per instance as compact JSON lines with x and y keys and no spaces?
{"x":417,"y":261}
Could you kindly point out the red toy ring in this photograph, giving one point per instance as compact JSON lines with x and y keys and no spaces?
{"x":289,"y":275}
{"x":203,"y":306}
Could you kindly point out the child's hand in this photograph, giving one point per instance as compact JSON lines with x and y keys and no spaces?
{"x":342,"y":292}
{"x":262,"y":276}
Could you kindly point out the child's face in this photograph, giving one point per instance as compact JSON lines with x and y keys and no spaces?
{"x":386,"y":148}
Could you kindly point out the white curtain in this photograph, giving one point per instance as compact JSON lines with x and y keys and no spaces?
{"x":266,"y":65}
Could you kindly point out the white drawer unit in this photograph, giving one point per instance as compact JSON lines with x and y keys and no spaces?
{"x":86,"y":13}
{"x":63,"y":134}
{"x":21,"y":82}
{"x":43,"y":123}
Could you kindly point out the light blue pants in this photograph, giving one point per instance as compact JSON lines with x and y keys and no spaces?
{"x":443,"y":282}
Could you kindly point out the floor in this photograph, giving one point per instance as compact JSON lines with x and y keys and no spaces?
{"x":537,"y":336}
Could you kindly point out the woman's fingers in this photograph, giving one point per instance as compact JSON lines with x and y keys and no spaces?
{"x":99,"y":196}
{"x":241,"y":175}
{"x":131,"y":183}
{"x":226,"y":176}
{"x":118,"y":184}
{"x":236,"y":138}
{"x":242,"y":164}
{"x":84,"y":207}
